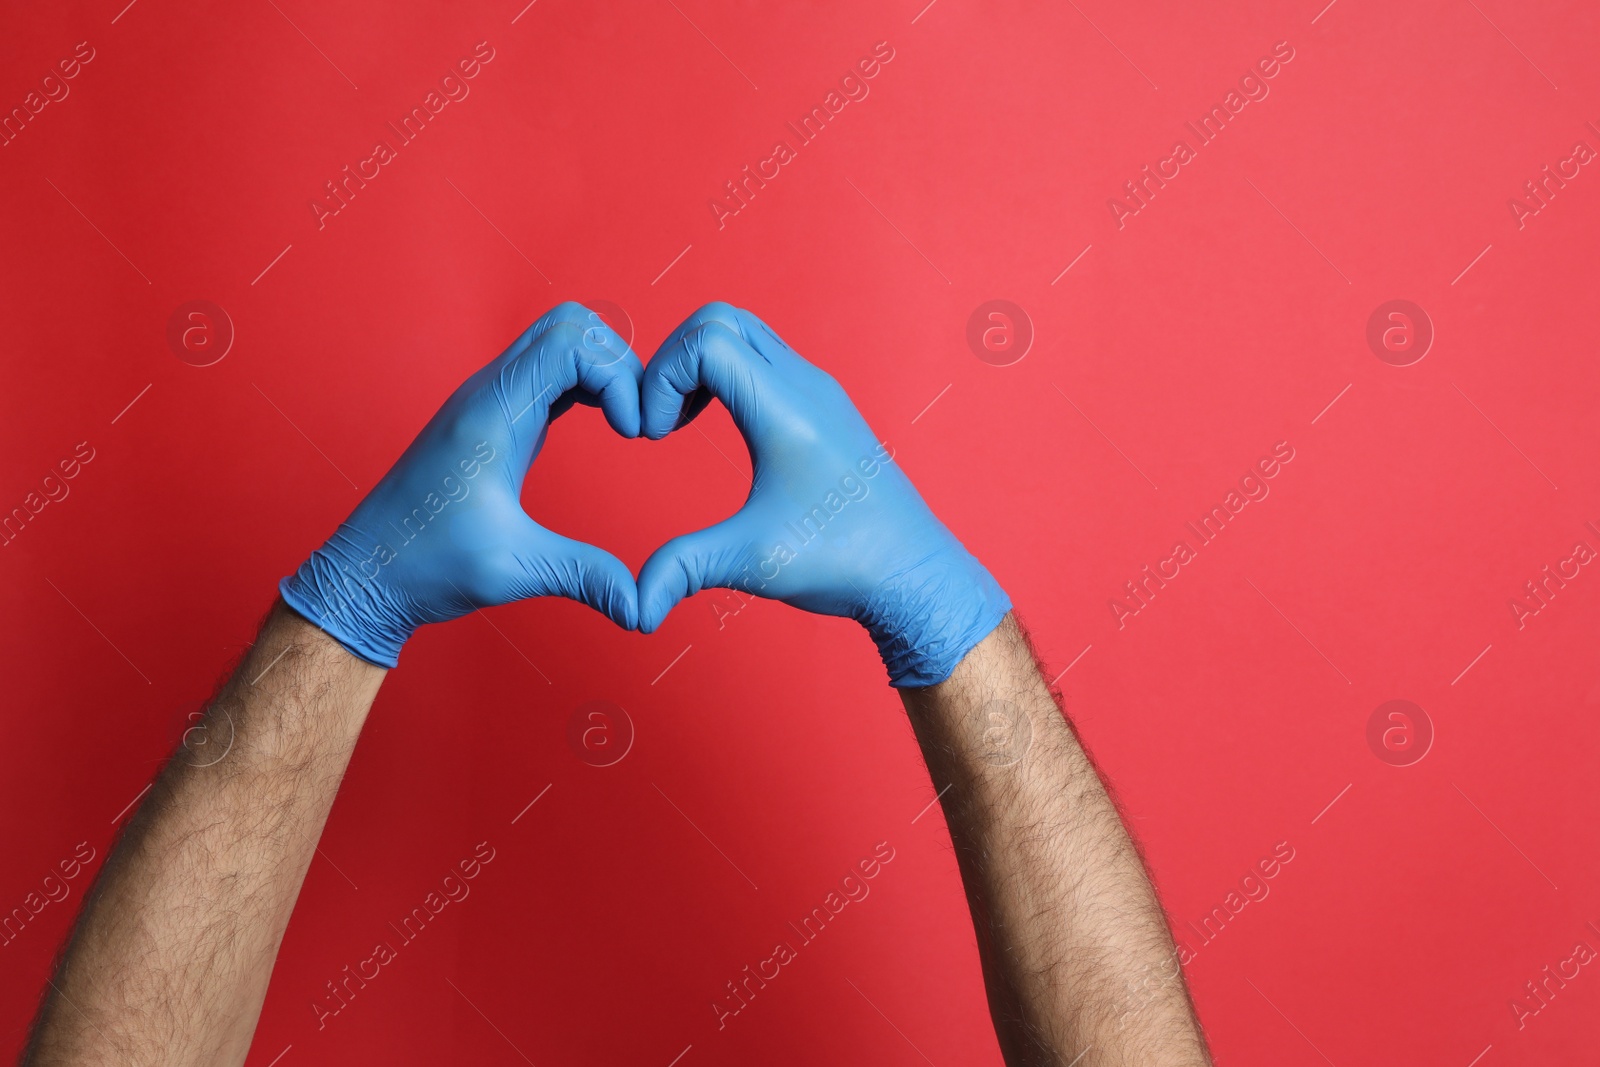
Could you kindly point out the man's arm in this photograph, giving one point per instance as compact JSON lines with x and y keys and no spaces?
{"x":1075,"y":949}
{"x":1076,"y":953}
{"x":170,"y":958}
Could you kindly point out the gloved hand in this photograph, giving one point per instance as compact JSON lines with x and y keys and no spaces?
{"x":831,"y":525}
{"x":444,"y":531}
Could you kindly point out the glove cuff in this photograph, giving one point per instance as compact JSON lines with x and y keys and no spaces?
{"x":925,"y":620}
{"x":350,"y":607}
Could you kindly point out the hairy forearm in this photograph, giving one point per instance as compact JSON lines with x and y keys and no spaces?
{"x":1077,"y":956}
{"x":170,"y":958}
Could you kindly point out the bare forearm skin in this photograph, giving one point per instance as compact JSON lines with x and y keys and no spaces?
{"x":170,"y":958}
{"x":1078,"y":960}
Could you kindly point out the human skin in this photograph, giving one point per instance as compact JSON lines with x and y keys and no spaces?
{"x":171,"y":955}
{"x":1078,"y":961}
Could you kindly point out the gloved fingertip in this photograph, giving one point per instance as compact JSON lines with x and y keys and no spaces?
{"x":661,"y":585}
{"x":654,"y":613}
{"x":623,"y":418}
{"x":649,"y":616}
{"x":618,"y":600}
{"x":625,"y":606}
{"x":660,"y":414}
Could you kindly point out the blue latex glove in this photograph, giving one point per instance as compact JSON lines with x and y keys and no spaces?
{"x":831,"y":525}
{"x":444,"y":532}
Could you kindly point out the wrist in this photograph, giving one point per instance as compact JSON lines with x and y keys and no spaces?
{"x":299,"y":695}
{"x":927,"y":617}
{"x":351,"y":606}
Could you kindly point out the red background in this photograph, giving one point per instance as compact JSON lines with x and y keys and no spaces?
{"x":1221,"y":319}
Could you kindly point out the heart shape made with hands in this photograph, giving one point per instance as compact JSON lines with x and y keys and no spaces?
{"x":831,"y":524}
